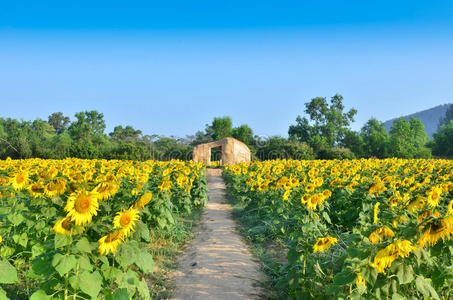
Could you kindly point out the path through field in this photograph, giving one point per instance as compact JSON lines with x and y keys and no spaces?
{"x":217,"y":264}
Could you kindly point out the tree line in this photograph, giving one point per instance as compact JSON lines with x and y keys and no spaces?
{"x":323,"y":132}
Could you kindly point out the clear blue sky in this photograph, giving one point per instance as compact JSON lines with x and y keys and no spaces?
{"x":169,"y":67}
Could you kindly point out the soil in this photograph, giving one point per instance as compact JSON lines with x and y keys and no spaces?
{"x":217,"y":264}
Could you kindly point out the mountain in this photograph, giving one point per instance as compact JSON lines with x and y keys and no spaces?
{"x":430,"y":118}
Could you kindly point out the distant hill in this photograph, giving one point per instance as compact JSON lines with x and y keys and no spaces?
{"x":430,"y":118}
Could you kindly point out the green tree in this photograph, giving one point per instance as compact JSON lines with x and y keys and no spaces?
{"x":408,"y":139}
{"x":127,"y":133}
{"x":325,"y":119}
{"x":448,"y":117}
{"x":354,"y":142}
{"x":278,"y":147}
{"x":243,"y":133}
{"x":58,"y":121}
{"x":375,"y":139}
{"x":442,"y":143}
{"x":88,"y":123}
{"x":222,"y":127}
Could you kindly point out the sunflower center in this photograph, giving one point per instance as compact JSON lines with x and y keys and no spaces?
{"x":65,"y":224}
{"x":111,"y":237}
{"x":125,"y":220}
{"x":20,"y":178}
{"x":82,"y":204}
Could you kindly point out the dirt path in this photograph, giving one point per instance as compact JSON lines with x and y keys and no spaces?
{"x":217,"y":264}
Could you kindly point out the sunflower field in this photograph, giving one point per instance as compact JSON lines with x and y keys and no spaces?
{"x":80,"y":229}
{"x":351,"y":229}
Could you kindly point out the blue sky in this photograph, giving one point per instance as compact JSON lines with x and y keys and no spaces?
{"x":169,"y":67}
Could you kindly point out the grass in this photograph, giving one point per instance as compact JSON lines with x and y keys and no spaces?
{"x":165,"y":246}
{"x":271,"y":253}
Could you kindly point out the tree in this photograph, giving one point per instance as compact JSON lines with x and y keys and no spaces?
{"x":354,"y":142}
{"x":127,"y":133}
{"x":375,"y":139}
{"x":88,"y":123}
{"x":278,"y":147}
{"x":408,"y":139}
{"x":442,"y":143}
{"x":243,"y":133}
{"x":326,"y":120}
{"x":58,"y":121}
{"x":448,"y":117}
{"x":221,"y":127}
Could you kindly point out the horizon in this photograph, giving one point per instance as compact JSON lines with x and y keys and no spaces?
{"x":157,"y":66}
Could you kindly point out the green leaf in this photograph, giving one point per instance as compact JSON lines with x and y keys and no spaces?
{"x":39,"y":295}
{"x":404,"y":273}
{"x":65,"y":264}
{"x":83,"y":245}
{"x":6,"y":251}
{"x":85,"y":264}
{"x":143,"y":290}
{"x":8,"y":272}
{"x":120,"y":294}
{"x":424,"y":286}
{"x":144,"y":260}
{"x":16,"y":218}
{"x":142,"y":231}
{"x":23,"y":240}
{"x":397,"y":296}
{"x":344,"y":277}
{"x":90,"y":283}
{"x":62,"y":240}
{"x":37,"y":250}
{"x":3,"y":294}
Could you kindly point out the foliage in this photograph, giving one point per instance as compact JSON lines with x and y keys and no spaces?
{"x":375,"y":139}
{"x":408,"y":139}
{"x":80,"y":228}
{"x":442,"y":144}
{"x":279,"y":147}
{"x":447,"y":118}
{"x":326,"y":120}
{"x":354,"y":229}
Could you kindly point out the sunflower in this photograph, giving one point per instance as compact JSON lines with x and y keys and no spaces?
{"x":436,"y":230}
{"x":360,"y":280}
{"x":55,"y":187}
{"x":385,"y":257}
{"x":81,"y":207}
{"x":450,"y":208}
{"x":19,"y":180}
{"x":109,"y":243}
{"x":62,"y":226}
{"x":106,"y":190}
{"x":125,"y":219}
{"x":310,"y":188}
{"x":36,"y":189}
{"x":0,"y":240}
{"x":323,"y":244}
{"x":434,"y":196}
{"x":376,"y":213}
{"x":143,"y":200}
{"x":379,"y":234}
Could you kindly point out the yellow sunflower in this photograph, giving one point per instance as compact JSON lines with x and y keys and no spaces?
{"x":143,"y":200}
{"x":125,"y":219}
{"x":379,"y":234}
{"x":19,"y":180}
{"x":385,"y":257}
{"x":436,"y":230}
{"x":323,"y":244}
{"x":110,"y":242}
{"x":81,"y":207}
{"x":62,"y":226}
{"x":376,"y":213}
{"x":36,"y":189}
